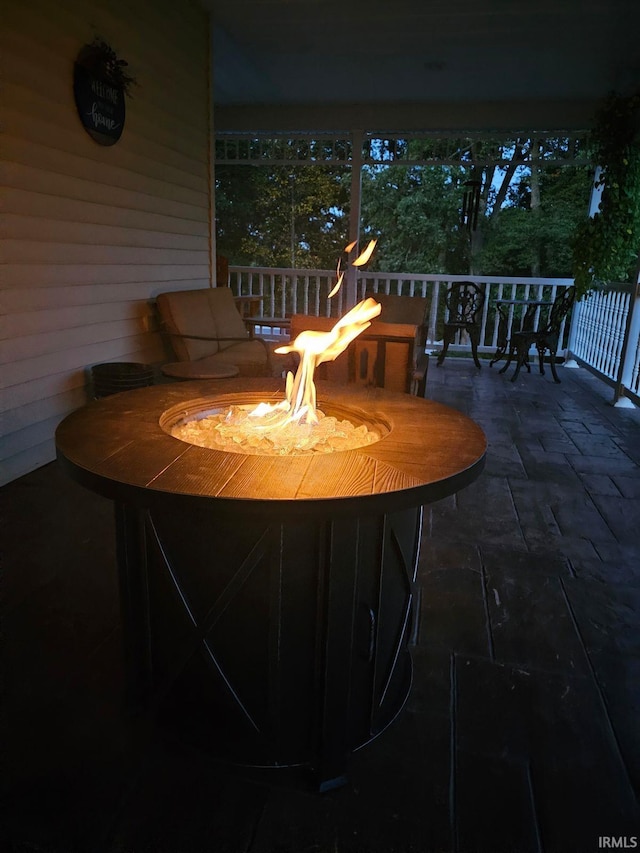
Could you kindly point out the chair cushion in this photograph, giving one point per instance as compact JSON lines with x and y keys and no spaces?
{"x":257,"y":358}
{"x":227,"y":320}
{"x":188,"y":312}
{"x":209,"y":312}
{"x":402,"y":309}
{"x":248,"y":356}
{"x":212,"y":313}
{"x":203,"y":368}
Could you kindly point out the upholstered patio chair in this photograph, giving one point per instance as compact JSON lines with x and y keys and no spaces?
{"x":389,"y":354}
{"x":205,"y":327}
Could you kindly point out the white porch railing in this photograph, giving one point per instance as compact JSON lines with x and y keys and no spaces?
{"x":605,"y":336}
{"x":495,"y":287}
{"x":289,"y":291}
{"x":602,"y":332}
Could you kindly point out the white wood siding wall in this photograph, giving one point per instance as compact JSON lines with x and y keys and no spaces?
{"x":90,"y":234}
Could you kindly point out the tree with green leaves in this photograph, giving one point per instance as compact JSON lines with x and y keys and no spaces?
{"x":282,"y":216}
{"x":414,"y":211}
{"x":526,"y":214}
{"x":297,"y":216}
{"x":529,"y":238}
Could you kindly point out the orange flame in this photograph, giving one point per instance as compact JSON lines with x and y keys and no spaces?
{"x":316,"y":347}
{"x":359,"y":262}
{"x":336,"y":286}
{"x":364,"y":257}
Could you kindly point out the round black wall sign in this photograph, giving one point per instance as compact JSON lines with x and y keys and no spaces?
{"x":100,"y":106}
{"x":100,"y":83}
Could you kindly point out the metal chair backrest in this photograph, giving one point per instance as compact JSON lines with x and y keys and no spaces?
{"x":464,"y":301}
{"x":559,"y":310}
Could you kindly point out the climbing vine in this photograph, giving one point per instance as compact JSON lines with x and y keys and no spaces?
{"x":605,"y":246}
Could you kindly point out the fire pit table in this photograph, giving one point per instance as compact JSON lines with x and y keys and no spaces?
{"x":269,"y":601}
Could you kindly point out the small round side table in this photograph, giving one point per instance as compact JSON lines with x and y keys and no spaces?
{"x":194,"y":370}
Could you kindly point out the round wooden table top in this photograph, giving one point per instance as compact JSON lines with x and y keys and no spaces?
{"x":117,"y":447}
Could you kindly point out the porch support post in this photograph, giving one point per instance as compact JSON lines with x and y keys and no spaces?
{"x":596,"y":193}
{"x":594,"y":207}
{"x":354,"y":213}
{"x":629,"y":347}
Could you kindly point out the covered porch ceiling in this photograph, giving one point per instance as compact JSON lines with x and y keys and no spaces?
{"x":419,"y":65}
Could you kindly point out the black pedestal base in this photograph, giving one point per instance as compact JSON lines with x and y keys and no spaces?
{"x":270,"y":642}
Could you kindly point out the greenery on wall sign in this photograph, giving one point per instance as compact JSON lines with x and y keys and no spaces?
{"x":101,"y":59}
{"x":605,"y":246}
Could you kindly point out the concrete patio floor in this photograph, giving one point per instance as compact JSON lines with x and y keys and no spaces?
{"x":522,"y":730}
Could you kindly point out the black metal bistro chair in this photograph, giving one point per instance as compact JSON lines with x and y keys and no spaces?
{"x":464,"y":301}
{"x":546,"y":338}
{"x":527,"y":325}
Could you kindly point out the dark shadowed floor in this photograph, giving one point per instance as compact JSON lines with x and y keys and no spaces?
{"x":522,"y":730}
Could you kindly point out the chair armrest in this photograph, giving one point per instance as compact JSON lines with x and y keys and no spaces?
{"x":251,"y":337}
{"x":418,"y":376}
{"x":205,"y":337}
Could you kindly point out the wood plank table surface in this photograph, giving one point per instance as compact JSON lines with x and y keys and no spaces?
{"x":118,"y":447}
